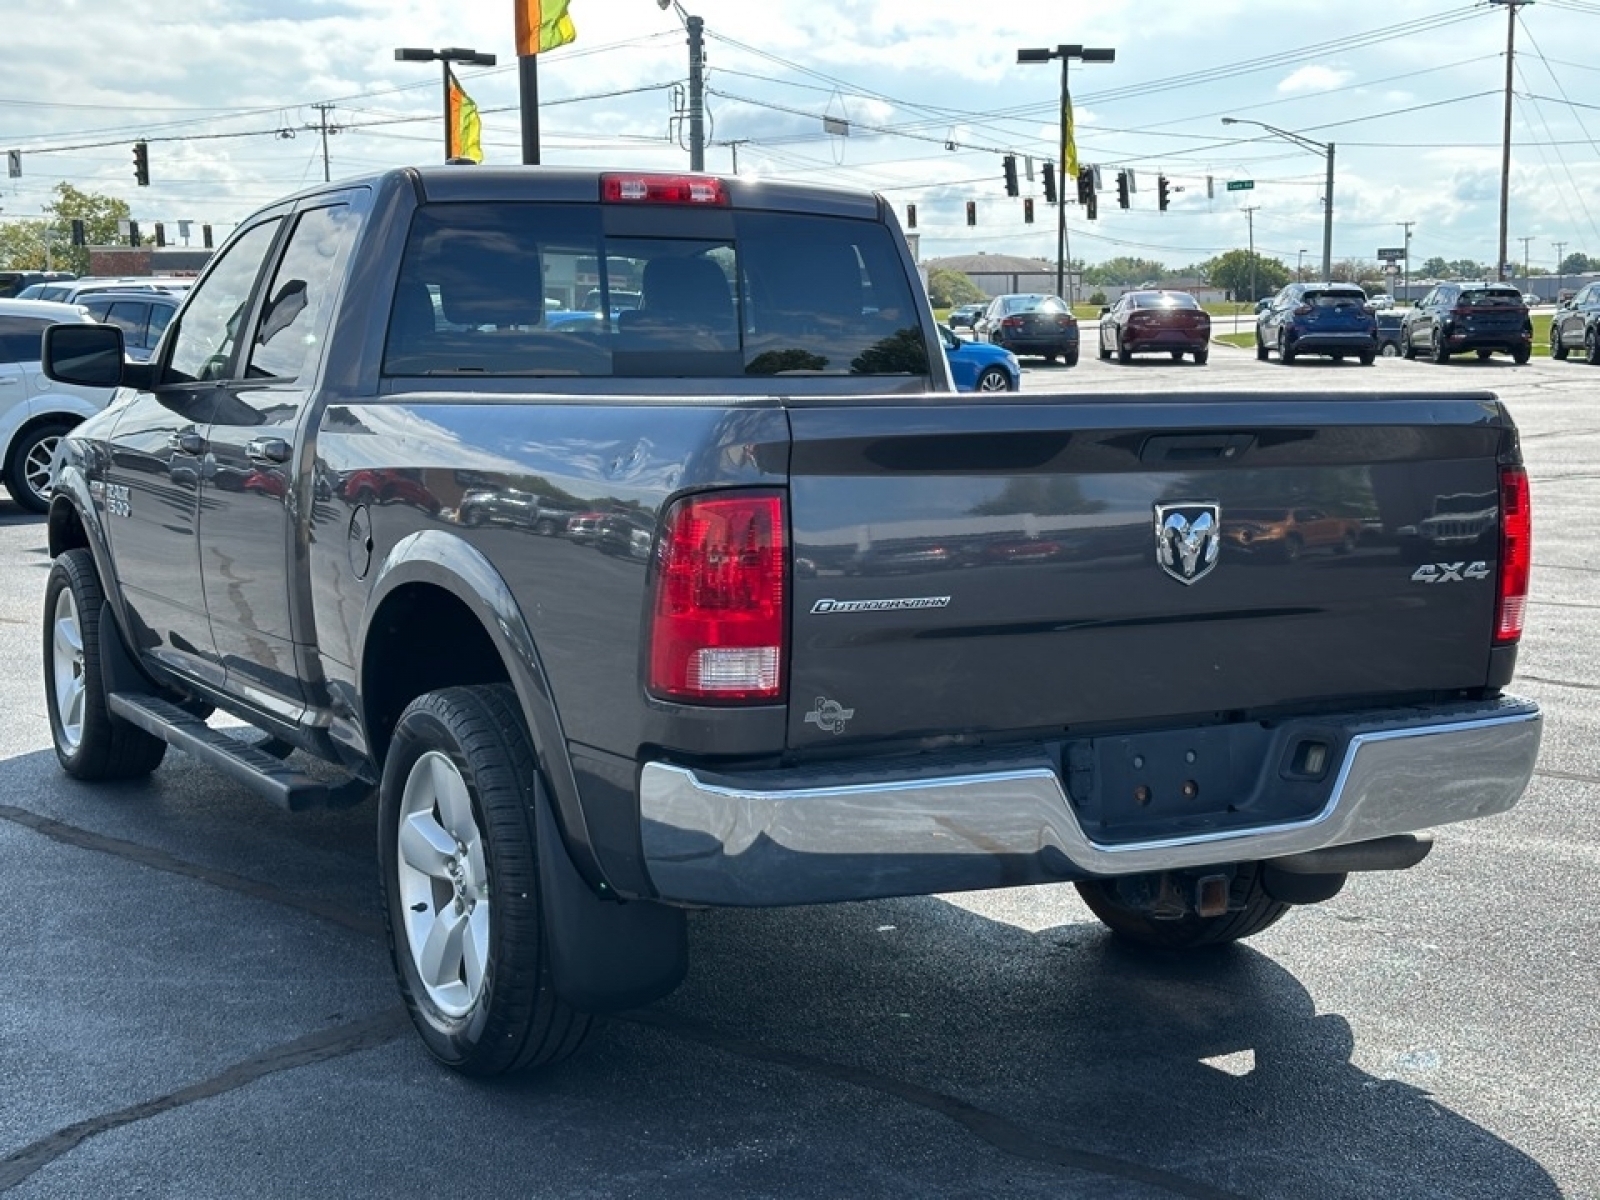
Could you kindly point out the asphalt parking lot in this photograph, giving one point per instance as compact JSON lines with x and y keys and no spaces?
{"x":196,"y":1001}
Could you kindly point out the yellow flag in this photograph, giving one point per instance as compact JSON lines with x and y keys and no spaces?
{"x":1069,"y":148}
{"x":543,"y":25}
{"x":466,"y":128}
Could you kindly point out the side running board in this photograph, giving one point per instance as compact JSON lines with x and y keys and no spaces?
{"x":252,"y":766}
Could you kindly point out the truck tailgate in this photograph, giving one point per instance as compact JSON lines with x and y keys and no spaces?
{"x":971,"y":569}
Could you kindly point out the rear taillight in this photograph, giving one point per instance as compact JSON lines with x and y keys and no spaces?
{"x":1303,"y":310}
{"x":1516,"y":554}
{"x":717,"y":628}
{"x":663,"y":189}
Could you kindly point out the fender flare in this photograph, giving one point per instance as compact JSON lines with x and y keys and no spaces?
{"x":445,"y":561}
{"x":605,"y":956}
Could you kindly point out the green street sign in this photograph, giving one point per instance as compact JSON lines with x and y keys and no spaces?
{"x":1241,"y":185}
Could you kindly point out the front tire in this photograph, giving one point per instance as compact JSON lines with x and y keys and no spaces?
{"x":1189,"y":932}
{"x":28,"y":466}
{"x":91,"y":743}
{"x":1261,"y":348}
{"x":1285,"y":351}
{"x":994,"y":379}
{"x":1441,"y":351}
{"x":1558,"y":348}
{"x":460,"y":878}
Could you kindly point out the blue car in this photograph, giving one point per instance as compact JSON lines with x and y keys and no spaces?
{"x":979,"y":366}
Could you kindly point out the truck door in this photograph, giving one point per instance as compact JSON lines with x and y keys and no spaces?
{"x":158,"y":455}
{"x":252,"y":547}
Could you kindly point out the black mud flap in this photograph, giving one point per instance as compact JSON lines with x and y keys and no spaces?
{"x":605,"y":955}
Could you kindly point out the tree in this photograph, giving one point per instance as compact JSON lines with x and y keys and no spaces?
{"x":1579,"y":264}
{"x":947,"y":288}
{"x":1231,"y":272}
{"x":22,"y":243}
{"x":1124,"y":271}
{"x":1435,"y":268}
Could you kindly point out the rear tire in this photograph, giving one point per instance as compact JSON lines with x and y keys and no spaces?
{"x":1591,"y":347}
{"x":91,"y":743}
{"x":1070,"y":358}
{"x":1189,"y":932}
{"x":460,"y":878}
{"x":1441,"y":352}
{"x":1200,"y":357}
{"x":28,"y":466}
{"x":1285,"y":351}
{"x":1368,"y":358}
{"x":1390,"y":350}
{"x":1521,"y":355}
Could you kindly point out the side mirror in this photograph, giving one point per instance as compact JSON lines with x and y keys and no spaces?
{"x":89,"y":355}
{"x":1105,"y":310}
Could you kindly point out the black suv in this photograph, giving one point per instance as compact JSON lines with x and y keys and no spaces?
{"x":1576,"y":325}
{"x":1318,"y":318}
{"x":1456,"y":317}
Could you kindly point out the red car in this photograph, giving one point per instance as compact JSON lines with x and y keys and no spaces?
{"x":1155,"y":322}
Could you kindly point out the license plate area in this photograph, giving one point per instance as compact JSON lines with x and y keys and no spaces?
{"x":1176,"y":783}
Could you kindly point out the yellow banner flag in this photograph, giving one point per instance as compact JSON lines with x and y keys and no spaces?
{"x":543,"y":25}
{"x":1069,"y":149}
{"x":465,"y":130}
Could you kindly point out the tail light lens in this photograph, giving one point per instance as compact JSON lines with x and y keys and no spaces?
{"x":663,"y":189}
{"x":1516,"y":554}
{"x":717,"y":630}
{"x":1302,"y":310}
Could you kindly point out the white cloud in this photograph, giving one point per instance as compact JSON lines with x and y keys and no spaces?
{"x":1315,"y":79}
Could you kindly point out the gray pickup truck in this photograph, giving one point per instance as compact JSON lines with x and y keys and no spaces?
{"x":830,"y":632}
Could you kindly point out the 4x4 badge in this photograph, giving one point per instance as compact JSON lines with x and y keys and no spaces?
{"x":1188,"y":539}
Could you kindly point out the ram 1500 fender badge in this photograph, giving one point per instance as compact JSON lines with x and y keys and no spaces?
{"x":1187,"y":538}
{"x":829,"y":715}
{"x":1457,"y":572}
{"x":855,"y":606}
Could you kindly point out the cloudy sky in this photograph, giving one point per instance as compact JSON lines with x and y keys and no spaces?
{"x":1411,"y":93}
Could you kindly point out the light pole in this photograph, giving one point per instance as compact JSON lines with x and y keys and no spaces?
{"x":451,"y":54}
{"x":1527,"y":280}
{"x":1325,"y":148}
{"x":696,"y":28}
{"x":1561,"y":270}
{"x":1066,"y":53}
{"x":1250,"y":216}
{"x":1300,"y":268}
{"x":1406,"y":225}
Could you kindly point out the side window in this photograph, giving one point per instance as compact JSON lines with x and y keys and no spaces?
{"x":217,"y":307}
{"x":130,"y":316}
{"x":19,"y":339}
{"x":288,"y":341}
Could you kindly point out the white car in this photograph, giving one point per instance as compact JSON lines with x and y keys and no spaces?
{"x":36,"y":412}
{"x":1381,"y":300}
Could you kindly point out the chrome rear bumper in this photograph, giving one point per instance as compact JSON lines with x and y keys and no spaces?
{"x":734,"y":841}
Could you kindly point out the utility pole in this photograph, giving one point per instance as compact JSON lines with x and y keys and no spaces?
{"x":1406,"y":267}
{"x":1250,"y":216}
{"x":1511,"y":7}
{"x":734,"y":146}
{"x":1561,"y":274}
{"x":325,"y":129}
{"x":1527,"y":280}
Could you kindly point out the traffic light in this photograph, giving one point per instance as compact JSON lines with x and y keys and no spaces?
{"x":911,"y":216}
{"x":1027,"y":209}
{"x":1162,"y":193}
{"x":80,"y":235}
{"x":1092,"y":209}
{"x":133,"y":234}
{"x":1085,"y":184}
{"x":205,"y":235}
{"x":141,"y":163}
{"x":1010,"y":165}
{"x":1049,"y":183}
{"x":1122,"y":189}
{"x":972,"y":212}
{"x":161,"y":234}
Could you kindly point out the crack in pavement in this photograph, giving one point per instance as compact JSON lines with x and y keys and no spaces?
{"x":1566,"y":683}
{"x":325,"y":1044}
{"x":1570,"y":776}
{"x":999,"y":1132}
{"x":160,"y":860}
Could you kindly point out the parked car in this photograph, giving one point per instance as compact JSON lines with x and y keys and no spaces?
{"x":73,"y":291}
{"x":1389,"y":325}
{"x":34,"y":411}
{"x":1457,"y":317}
{"x":1155,"y":322}
{"x":1331,"y":319}
{"x":1031,"y":323}
{"x":13,"y":282}
{"x":1575,"y":325}
{"x":1380,"y":302}
{"x":142,"y":316}
{"x":1290,"y":532}
{"x":980,"y":367}
{"x":964,"y":315}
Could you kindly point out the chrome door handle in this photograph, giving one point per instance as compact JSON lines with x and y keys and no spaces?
{"x":268,"y":449}
{"x":186,"y":441}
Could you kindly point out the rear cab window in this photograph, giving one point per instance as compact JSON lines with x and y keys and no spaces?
{"x":671,"y":292}
{"x":1491,"y":297}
